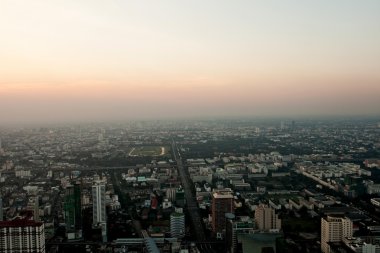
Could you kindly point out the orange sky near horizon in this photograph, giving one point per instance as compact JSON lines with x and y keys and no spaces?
{"x":77,"y":60}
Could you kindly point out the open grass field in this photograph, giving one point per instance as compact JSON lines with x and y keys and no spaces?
{"x":149,"y":151}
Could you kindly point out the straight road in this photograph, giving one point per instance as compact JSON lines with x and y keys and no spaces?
{"x":191,"y":203}
{"x":190,"y":199}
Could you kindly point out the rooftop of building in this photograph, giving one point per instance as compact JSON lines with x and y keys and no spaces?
{"x":175,"y":214}
{"x":20,"y":223}
{"x":223,"y":194}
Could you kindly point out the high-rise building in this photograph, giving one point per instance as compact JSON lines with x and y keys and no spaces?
{"x":99,"y":218}
{"x":234,"y":227}
{"x":334,"y":229}
{"x":99,"y":203}
{"x":177,"y":223}
{"x":266,"y":219}
{"x":22,"y":236}
{"x":222,"y":203}
{"x":73,"y":212}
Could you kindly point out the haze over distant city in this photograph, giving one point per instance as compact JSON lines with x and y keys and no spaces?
{"x":111,"y":60}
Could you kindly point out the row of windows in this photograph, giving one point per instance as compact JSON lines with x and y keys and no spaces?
{"x":35,"y":241}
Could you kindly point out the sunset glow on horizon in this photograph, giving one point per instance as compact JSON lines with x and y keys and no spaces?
{"x":106,"y":60}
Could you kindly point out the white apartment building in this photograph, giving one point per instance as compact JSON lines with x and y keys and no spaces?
{"x":99,"y":203}
{"x":22,"y":236}
{"x":266,"y":218}
{"x":334,"y":229}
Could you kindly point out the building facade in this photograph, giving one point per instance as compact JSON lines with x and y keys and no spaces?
{"x":234,"y":228}
{"x":22,"y":236}
{"x":334,"y":229}
{"x":177,"y":224}
{"x":99,"y":203}
{"x":222,"y":203}
{"x":99,"y":218}
{"x":73,"y":212}
{"x":266,"y":219}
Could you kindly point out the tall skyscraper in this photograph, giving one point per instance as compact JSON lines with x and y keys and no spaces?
{"x":177,"y":224}
{"x":99,"y":203}
{"x":22,"y":236}
{"x":334,"y":229}
{"x":99,"y":207}
{"x":222,"y":203}
{"x":266,"y":218}
{"x":73,"y":212}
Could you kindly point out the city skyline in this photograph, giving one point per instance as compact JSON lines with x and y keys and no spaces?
{"x":90,"y":60}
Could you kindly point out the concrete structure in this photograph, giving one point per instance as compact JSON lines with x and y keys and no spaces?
{"x":222,"y":203}
{"x":22,"y":236}
{"x":99,"y":203}
{"x":177,"y":224}
{"x":266,"y":219}
{"x":99,"y":207}
{"x":235,"y":227}
{"x":73,"y":212}
{"x":334,"y":229}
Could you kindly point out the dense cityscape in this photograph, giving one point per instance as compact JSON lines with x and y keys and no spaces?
{"x":280,"y":185}
{"x":217,"y":126}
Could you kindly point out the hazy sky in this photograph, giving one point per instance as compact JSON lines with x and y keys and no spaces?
{"x":93,"y":60}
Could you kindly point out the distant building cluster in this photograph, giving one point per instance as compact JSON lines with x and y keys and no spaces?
{"x":183,"y":187}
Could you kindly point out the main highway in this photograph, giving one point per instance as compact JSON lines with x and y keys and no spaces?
{"x":191,"y":203}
